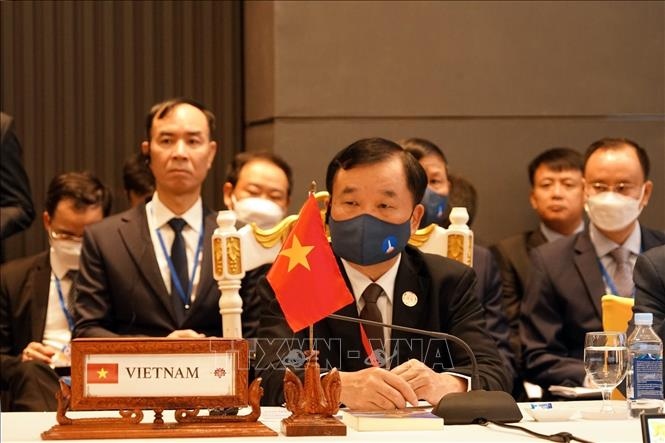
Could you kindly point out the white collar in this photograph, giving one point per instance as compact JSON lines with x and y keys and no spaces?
{"x":360,"y":282}
{"x":604,"y":245}
{"x":58,"y":269}
{"x":551,"y":234}
{"x":162,"y":214}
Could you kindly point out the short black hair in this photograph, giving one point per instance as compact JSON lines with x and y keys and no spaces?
{"x":162,"y":109}
{"x":618,"y":143}
{"x":420,"y":147}
{"x":137,"y":176}
{"x":375,"y":150}
{"x":557,"y":159}
{"x":241,"y":159}
{"x":462,"y":194}
{"x":83,"y":188}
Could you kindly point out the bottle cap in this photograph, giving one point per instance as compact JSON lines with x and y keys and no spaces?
{"x":644,"y":318}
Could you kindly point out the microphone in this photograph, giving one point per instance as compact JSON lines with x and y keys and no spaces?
{"x":457,"y":408}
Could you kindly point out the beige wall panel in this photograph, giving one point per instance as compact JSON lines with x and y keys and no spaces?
{"x":260,"y":137}
{"x":492,"y":153}
{"x":79,"y":77}
{"x":259,"y":44}
{"x":467,"y":58}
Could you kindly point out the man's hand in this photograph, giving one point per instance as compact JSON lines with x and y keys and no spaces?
{"x":427,"y":384}
{"x":185,"y":333}
{"x":375,"y":388}
{"x":38,"y":351}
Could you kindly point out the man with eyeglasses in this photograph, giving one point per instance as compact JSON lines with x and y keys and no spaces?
{"x":569,"y":277}
{"x":36,"y":318}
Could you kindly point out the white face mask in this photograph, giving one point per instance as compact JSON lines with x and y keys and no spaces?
{"x":611,"y":211}
{"x":67,"y":252}
{"x":265,"y":213}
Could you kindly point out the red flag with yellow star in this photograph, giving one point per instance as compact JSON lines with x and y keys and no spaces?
{"x":305,"y":276}
{"x":102,"y":372}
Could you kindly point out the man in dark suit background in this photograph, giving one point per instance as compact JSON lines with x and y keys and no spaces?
{"x":557,"y":198}
{"x":445,"y":190}
{"x":649,"y":277}
{"x":16,"y":210}
{"x":148,"y":271}
{"x":569,"y":277}
{"x":35,"y":314}
{"x":376,"y":189}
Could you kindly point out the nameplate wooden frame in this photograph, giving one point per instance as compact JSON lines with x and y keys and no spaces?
{"x":134,"y":368}
{"x":236,"y":351}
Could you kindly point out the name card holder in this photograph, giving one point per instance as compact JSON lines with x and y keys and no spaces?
{"x":136,"y":374}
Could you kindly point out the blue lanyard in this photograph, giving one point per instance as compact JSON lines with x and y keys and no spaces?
{"x":609,"y":283}
{"x":608,"y":280}
{"x":185,"y":297}
{"x":61,"y":298}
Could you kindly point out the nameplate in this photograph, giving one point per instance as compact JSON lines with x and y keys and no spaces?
{"x":147,"y":373}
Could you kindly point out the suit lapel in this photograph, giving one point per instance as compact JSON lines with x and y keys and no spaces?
{"x":136,"y":237}
{"x":39,"y":287}
{"x":649,"y":239}
{"x":586,"y":263}
{"x":408,"y":280}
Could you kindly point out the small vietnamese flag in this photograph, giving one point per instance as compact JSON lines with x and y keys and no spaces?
{"x":102,"y":373}
{"x":305,"y":277}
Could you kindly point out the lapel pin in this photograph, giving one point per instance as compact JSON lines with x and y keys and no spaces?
{"x":410,"y":299}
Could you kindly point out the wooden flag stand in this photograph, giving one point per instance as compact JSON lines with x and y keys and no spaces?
{"x":121,"y":385}
{"x":313,"y":403}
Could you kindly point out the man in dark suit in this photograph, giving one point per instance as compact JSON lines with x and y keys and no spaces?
{"x":556,"y":197}
{"x":16,"y":210}
{"x":570,"y":276}
{"x":375,"y":190}
{"x":649,"y":277}
{"x":148,"y":271}
{"x":35,"y":313}
{"x":445,"y":190}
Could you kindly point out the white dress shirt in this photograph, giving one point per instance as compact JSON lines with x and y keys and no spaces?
{"x":158,"y":217}
{"x":56,"y":329}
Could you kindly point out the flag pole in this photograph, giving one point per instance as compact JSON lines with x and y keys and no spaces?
{"x":312,"y":191}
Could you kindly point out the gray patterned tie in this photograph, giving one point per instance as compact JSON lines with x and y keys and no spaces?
{"x":623,"y":272}
{"x":371,"y":312}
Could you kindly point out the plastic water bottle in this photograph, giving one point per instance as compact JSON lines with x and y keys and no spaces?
{"x":644,"y":381}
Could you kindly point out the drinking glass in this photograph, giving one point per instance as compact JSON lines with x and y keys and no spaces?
{"x":605,"y":362}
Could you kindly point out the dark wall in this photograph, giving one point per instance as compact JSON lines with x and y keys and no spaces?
{"x":79,"y":78}
{"x":493,"y":83}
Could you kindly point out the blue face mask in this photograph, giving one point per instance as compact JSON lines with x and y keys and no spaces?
{"x":435,"y":205}
{"x":366,"y":240}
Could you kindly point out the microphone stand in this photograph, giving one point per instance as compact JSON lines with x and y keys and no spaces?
{"x":475,"y":379}
{"x":476,"y":406}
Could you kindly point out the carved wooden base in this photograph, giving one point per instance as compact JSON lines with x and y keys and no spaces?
{"x":312,"y":425}
{"x":189,"y":423}
{"x":85,"y":431}
{"x":314,"y":402}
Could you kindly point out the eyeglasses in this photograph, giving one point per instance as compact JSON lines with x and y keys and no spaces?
{"x":620,"y":188}
{"x":55,"y":235}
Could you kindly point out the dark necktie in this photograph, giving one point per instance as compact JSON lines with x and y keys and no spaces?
{"x":179,"y":260}
{"x":71,"y":275}
{"x":623,"y":272}
{"x":371,"y":312}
